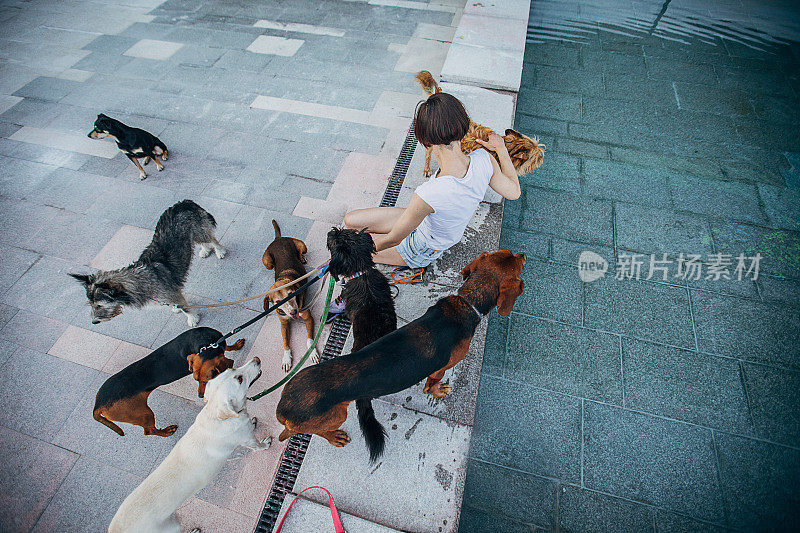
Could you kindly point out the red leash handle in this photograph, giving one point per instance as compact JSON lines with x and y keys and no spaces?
{"x":337,"y":523}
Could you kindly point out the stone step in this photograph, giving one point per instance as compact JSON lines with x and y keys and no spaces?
{"x":416,"y":486}
{"x":307,"y":515}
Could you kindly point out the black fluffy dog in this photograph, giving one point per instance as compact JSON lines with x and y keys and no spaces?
{"x":135,"y":143}
{"x":160,"y":272}
{"x":369,"y":306}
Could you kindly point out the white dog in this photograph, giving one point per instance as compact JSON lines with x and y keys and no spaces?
{"x":221,"y":426}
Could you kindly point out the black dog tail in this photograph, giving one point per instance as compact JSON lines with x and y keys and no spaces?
{"x":277,"y":229}
{"x":374,"y":433}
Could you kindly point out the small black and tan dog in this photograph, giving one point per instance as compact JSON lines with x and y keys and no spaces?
{"x":369,"y":306}
{"x":135,"y":143}
{"x":315,"y":400}
{"x":123,"y":396}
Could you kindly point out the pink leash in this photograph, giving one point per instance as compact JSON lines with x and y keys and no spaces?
{"x":337,"y":523}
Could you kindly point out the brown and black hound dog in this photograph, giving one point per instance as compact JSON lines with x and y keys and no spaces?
{"x":123,"y":396}
{"x":287,"y":255}
{"x":315,"y":400}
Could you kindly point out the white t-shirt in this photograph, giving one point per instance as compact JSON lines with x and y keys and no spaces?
{"x":454,"y":201}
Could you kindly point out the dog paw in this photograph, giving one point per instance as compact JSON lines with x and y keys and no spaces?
{"x":264,"y":444}
{"x":175,"y":309}
{"x":204,"y":251}
{"x":142,"y":175}
{"x":314,"y":356}
{"x":438,"y":390}
{"x":146,"y":161}
{"x":169,"y":430}
{"x":286,"y":362}
{"x":192,"y":319}
{"x":254,"y":421}
{"x":220,"y":252}
{"x":160,"y":168}
{"x":338,"y":438}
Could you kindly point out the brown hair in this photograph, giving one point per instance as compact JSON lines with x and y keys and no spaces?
{"x":441,"y":119}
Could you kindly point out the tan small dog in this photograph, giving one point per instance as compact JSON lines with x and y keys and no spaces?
{"x":286,"y":256}
{"x":526,"y":153}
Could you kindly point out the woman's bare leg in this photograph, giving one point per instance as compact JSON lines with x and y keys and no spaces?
{"x":373,"y":219}
{"x":389,"y":256}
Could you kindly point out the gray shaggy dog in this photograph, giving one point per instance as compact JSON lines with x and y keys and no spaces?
{"x":160,"y":272}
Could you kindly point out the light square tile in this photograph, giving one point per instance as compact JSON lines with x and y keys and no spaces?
{"x":85,"y":347}
{"x":279,"y":46}
{"x":65,"y":141}
{"x":299,"y":28}
{"x":153,"y":49}
{"x":123,"y":248}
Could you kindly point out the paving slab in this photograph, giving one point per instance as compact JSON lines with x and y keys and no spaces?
{"x":308,"y":515}
{"x":433,"y":475}
{"x":32,"y":472}
{"x":682,"y":454}
{"x":586,"y":510}
{"x":773,"y":403}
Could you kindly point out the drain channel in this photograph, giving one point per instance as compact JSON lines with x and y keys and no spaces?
{"x":295,"y":451}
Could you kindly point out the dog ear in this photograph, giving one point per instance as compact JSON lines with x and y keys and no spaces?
{"x":513,"y":133}
{"x":467,"y":270}
{"x":510,"y":290}
{"x":269,"y":263}
{"x":194,"y":366}
{"x":83,"y":279}
{"x":301,"y":247}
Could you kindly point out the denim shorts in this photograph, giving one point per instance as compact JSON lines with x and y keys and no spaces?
{"x":415,"y":252}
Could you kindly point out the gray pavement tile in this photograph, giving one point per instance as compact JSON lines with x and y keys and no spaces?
{"x":135,"y":452}
{"x":626,"y":183}
{"x":693,"y":165}
{"x":567,"y":80}
{"x":697,"y":97}
{"x":759,"y":483}
{"x":673,"y":465}
{"x":745,"y":287}
{"x":142,"y":69}
{"x":555,"y":54}
{"x":37,"y":396}
{"x":7,"y":312}
{"x":551,"y":105}
{"x":648,"y":230}
{"x":494,"y":351}
{"x":531,"y":244}
{"x":433,"y":474}
{"x":782,"y":206}
{"x":551,"y":291}
{"x":16,"y":262}
{"x":228,"y":190}
{"x":475,"y":521}
{"x":511,"y":494}
{"x":581,"y":148}
{"x":674,"y":523}
{"x":780,"y":290}
{"x":586,"y":511}
{"x":137,"y":204}
{"x":640,"y":309}
{"x":223,"y":319}
{"x":543,"y":211}
{"x":640,"y":89}
{"x":111,"y":44}
{"x":32,"y":472}
{"x":243,"y":60}
{"x":102,"y":62}
{"x":774,"y":402}
{"x":685,"y":385}
{"x":45,"y":290}
{"x":778,"y":248}
{"x":42,"y":154}
{"x":560,"y":172}
{"x":724,"y":199}
{"x":146,"y":30}
{"x":676,"y":69}
{"x":569,"y":252}
{"x":524,"y":439}
{"x":566,"y":359}
{"x":32,"y":112}
{"x":747,"y":330}
{"x":309,"y":187}
{"x":79,"y":505}
{"x":106,"y":167}
{"x":47,"y":89}
{"x":197,"y":56}
{"x":84,"y":240}
{"x":137,"y":326}
{"x":32,"y":331}
{"x":19,"y":221}
{"x":531,"y":126}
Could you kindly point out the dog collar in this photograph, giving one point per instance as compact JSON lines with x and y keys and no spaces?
{"x":480,"y":315}
{"x":345,"y":279}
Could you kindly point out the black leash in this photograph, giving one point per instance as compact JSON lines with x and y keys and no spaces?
{"x":270,"y":309}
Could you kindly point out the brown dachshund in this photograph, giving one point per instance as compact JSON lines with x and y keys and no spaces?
{"x":315,"y":400}
{"x":287,"y":255}
{"x":123,"y":396}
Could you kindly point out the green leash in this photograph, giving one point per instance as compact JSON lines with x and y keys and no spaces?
{"x":302,"y":361}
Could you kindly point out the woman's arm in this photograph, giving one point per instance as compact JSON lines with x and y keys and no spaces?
{"x":417,"y":210}
{"x":504,"y":179}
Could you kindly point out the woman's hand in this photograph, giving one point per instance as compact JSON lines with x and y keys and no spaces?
{"x":495,"y":143}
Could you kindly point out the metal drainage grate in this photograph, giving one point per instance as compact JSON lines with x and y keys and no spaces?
{"x":295,"y":452}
